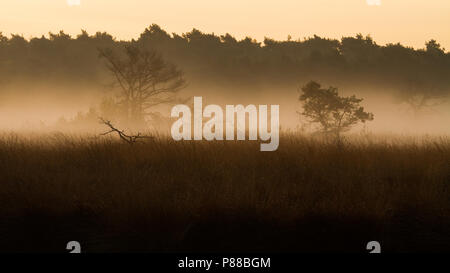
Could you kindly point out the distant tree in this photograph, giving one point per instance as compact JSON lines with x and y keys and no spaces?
{"x":360,"y":51}
{"x":145,"y":80}
{"x":434,"y":48}
{"x":420,"y":94}
{"x":3,"y":39}
{"x":333,"y":113}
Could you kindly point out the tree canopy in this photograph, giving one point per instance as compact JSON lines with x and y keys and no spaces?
{"x":332,"y":112}
{"x":225,"y":60}
{"x":144,"y":78}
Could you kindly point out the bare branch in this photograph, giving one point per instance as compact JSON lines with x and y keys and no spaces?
{"x":130,"y":139}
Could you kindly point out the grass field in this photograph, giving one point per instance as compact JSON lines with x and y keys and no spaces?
{"x":309,"y":195}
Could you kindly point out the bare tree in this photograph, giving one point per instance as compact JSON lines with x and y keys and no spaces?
{"x":145,"y":80}
{"x":420,"y":95}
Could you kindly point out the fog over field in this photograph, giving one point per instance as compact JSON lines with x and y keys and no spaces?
{"x":40,"y":108}
{"x":43,"y":80}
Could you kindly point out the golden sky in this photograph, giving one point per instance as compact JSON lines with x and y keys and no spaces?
{"x":411,"y":22}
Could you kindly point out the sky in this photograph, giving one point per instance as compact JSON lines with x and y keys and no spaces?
{"x":410,"y":22}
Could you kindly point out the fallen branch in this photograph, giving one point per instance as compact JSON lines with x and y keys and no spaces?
{"x":127,"y":138}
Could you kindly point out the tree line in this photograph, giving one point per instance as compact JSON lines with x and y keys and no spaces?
{"x":417,"y":75}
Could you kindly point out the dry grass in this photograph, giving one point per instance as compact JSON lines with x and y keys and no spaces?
{"x":309,"y":195}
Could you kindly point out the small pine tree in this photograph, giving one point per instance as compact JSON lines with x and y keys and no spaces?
{"x":333,"y":113}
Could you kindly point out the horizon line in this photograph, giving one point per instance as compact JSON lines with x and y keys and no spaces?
{"x":172,"y":35}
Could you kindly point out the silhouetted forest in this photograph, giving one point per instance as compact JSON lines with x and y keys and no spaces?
{"x":227,"y":61}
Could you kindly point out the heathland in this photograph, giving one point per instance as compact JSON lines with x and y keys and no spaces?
{"x":312,"y":194}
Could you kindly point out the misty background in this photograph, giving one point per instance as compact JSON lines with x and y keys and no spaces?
{"x":58,"y":81}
